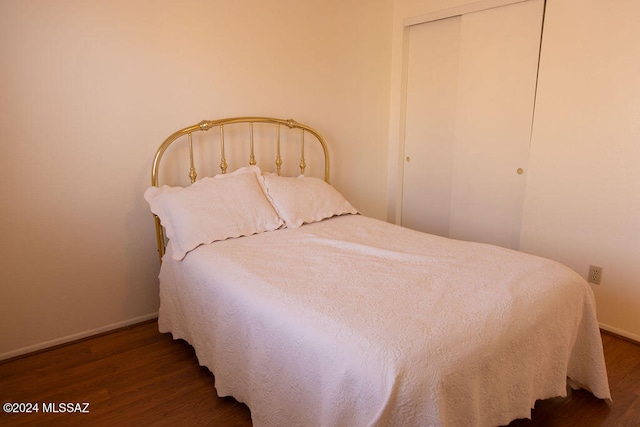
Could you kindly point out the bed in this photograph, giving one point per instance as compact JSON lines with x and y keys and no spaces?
{"x":315,"y":315}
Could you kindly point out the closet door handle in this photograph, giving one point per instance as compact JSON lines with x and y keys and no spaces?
{"x":520,"y":171}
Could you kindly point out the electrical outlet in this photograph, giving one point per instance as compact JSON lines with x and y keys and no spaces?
{"x":595,"y":274}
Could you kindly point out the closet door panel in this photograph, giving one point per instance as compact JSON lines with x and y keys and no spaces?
{"x":499,"y":50}
{"x":430,"y":124}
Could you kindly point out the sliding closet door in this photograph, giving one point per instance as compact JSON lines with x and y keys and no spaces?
{"x":469,"y":106}
{"x":430,"y":125}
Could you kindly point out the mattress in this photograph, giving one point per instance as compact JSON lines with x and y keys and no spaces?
{"x":355,"y":321}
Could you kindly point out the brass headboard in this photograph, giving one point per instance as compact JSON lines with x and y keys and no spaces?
{"x":205,"y":125}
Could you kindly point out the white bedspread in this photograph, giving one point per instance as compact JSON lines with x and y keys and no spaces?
{"x":355,"y":322}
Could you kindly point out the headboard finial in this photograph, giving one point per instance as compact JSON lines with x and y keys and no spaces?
{"x":205,"y":125}
{"x":291,"y":123}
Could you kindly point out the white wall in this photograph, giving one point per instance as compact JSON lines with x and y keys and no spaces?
{"x":582,"y":201}
{"x":88,"y":91}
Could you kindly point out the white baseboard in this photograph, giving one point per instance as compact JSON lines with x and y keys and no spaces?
{"x":622,"y":333}
{"x":78,"y":336}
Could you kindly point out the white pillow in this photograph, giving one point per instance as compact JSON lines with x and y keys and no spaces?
{"x":304,"y":200}
{"x":212,"y":209}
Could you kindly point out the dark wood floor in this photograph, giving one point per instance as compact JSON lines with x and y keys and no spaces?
{"x":140,"y":377}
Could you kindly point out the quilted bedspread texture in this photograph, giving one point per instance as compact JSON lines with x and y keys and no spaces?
{"x":352,"y":321}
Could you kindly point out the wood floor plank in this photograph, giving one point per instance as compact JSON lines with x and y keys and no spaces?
{"x":138,"y":376}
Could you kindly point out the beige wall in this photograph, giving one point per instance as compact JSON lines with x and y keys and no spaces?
{"x":88,"y":91}
{"x":582,"y":200}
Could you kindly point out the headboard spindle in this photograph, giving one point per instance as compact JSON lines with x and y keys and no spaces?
{"x":223,"y":159}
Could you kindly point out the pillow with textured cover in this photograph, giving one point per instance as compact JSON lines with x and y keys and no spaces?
{"x":212,"y":209}
{"x":305,"y":200}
